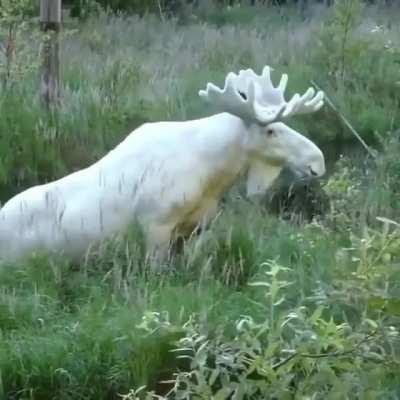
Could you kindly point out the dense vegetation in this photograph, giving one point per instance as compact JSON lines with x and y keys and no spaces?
{"x":261,"y":306}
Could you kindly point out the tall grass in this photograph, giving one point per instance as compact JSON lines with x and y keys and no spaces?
{"x":254,"y":288}
{"x":120,"y":71}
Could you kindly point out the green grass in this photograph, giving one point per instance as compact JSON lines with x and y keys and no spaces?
{"x":328,"y":289}
{"x":73,"y":333}
{"x":121,"y":71}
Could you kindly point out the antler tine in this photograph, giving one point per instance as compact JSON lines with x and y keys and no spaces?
{"x":317,"y":102}
{"x":230,"y":98}
{"x":291,"y":106}
{"x":263,"y":80}
{"x":308,"y":103}
{"x":283,"y":83}
{"x":266,"y":78}
{"x":268,"y":103}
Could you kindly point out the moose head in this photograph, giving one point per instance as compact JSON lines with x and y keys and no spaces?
{"x":271,"y":144}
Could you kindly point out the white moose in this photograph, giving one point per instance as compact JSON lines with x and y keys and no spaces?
{"x":168,"y":176}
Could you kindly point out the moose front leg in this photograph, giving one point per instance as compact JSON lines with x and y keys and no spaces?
{"x":193,"y":226}
{"x":158,"y":240}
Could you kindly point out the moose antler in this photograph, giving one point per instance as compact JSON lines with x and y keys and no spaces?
{"x":254,"y":97}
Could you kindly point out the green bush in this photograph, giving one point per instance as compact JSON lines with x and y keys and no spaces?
{"x":84,"y":8}
{"x":346,"y":51}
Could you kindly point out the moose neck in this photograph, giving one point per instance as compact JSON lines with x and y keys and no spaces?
{"x":245,"y":136}
{"x":222,"y":133}
{"x":233,"y":152}
{"x":220,"y":142}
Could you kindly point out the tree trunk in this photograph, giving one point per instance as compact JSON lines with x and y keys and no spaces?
{"x":50,"y":19}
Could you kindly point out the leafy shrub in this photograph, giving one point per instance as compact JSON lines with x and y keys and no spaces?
{"x":345,"y":53}
{"x":17,"y":58}
{"x":303,"y":352}
{"x":83,"y":9}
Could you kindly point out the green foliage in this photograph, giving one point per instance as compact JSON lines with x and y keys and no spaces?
{"x":375,"y":185}
{"x":255,"y":307}
{"x":346,"y":18}
{"x":107,"y":94}
{"x":304,"y":350}
{"x":16,"y":56}
{"x":322,"y":320}
{"x":14,"y":11}
{"x":84,"y":9}
{"x":352,"y":57}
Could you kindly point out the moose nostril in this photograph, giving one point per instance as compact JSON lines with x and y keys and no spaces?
{"x":243,"y":95}
{"x":313,"y":172}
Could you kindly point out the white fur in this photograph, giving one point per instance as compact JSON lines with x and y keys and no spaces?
{"x":167,"y":176}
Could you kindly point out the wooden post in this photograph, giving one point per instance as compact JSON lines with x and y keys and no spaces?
{"x":50,"y":19}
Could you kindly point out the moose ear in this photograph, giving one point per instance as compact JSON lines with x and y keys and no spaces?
{"x":260,"y":177}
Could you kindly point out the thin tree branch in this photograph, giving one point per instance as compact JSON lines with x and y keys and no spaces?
{"x":160,"y":11}
{"x":346,"y":122}
{"x":322,"y":355}
{"x":284,"y":361}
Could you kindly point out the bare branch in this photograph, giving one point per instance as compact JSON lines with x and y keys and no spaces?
{"x":324,"y":355}
{"x":346,"y":122}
